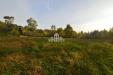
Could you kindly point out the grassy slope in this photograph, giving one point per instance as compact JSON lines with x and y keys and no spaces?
{"x":32,"y":56}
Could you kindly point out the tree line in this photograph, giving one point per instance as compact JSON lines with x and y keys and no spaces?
{"x":8,"y":28}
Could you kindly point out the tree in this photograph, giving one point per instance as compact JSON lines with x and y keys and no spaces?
{"x":32,"y":24}
{"x":15,"y":30}
{"x":3,"y":27}
{"x":95,"y":34}
{"x":111,"y":33}
{"x":68,"y":31}
{"x":60,"y":31}
{"x":9,"y":19}
{"x":53,"y":27}
{"x":47,"y":32}
{"x":20,"y":29}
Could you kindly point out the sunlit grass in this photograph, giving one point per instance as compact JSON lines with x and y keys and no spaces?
{"x":36,"y":56}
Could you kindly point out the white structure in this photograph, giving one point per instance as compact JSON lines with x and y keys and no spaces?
{"x":56,"y":38}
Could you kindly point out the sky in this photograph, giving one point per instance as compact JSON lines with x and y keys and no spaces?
{"x":82,"y":15}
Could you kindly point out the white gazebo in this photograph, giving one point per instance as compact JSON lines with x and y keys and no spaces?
{"x":56,"y":38}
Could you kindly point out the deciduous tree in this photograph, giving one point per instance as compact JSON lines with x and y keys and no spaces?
{"x":68,"y":31}
{"x":32,"y":24}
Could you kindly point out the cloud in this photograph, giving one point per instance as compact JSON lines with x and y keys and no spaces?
{"x":84,"y":15}
{"x":20,"y":9}
{"x":103,"y":21}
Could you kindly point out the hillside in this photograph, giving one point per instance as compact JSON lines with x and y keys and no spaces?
{"x":36,"y":56}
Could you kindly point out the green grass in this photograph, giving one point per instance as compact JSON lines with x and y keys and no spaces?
{"x":36,"y":56}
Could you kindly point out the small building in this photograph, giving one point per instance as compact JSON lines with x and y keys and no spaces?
{"x":56,"y":38}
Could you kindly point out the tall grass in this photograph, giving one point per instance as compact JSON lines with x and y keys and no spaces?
{"x":36,"y":56}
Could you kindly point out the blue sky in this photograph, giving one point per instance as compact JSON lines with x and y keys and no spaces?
{"x":86,"y":15}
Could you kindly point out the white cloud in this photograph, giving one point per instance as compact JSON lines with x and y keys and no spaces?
{"x":104,"y":21}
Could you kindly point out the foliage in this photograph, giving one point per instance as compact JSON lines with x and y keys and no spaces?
{"x":68,"y":31}
{"x":9,"y":29}
{"x":60,"y":31}
{"x":9,"y":20}
{"x":32,"y":24}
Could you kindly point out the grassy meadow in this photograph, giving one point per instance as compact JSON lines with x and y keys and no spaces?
{"x":37,"y":56}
